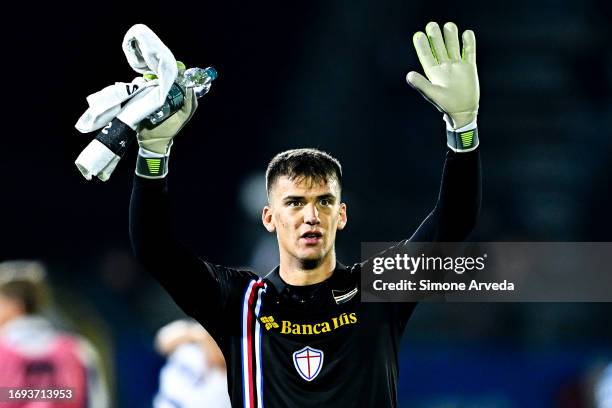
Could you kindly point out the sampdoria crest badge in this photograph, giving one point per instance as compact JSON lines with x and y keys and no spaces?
{"x":308,"y":362}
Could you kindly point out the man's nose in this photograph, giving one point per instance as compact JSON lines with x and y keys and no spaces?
{"x":311,"y":214}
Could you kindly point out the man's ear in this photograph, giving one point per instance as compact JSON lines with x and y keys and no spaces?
{"x":266,"y":219}
{"x":343,"y":218}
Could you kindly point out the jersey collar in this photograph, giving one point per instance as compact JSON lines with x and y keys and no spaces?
{"x":336,"y":279}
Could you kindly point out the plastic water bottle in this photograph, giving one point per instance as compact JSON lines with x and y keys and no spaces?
{"x":197,"y":78}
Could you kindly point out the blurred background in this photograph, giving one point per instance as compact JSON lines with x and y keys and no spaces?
{"x":327,"y":75}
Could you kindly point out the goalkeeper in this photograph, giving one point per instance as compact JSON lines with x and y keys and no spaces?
{"x":300,"y":336}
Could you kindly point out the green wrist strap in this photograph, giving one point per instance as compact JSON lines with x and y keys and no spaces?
{"x":462,"y":142}
{"x":152,"y":167}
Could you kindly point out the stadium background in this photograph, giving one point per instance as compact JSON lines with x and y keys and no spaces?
{"x":329,"y":75}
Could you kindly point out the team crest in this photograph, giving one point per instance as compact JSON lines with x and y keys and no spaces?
{"x":308,"y":362}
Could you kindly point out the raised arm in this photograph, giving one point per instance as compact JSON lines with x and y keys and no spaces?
{"x":452,"y":87}
{"x":456,"y":210}
{"x":185,"y":277}
{"x":201,"y":289}
{"x":178,"y":270}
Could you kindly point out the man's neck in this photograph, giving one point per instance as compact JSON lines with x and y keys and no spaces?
{"x":293,"y":272}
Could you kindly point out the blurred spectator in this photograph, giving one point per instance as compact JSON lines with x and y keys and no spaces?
{"x":195,"y":374}
{"x":603,"y":389}
{"x":36,"y":355}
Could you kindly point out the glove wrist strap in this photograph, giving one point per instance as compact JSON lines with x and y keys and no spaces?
{"x":464,"y":139}
{"x":116,"y":136}
{"x":152,"y":165}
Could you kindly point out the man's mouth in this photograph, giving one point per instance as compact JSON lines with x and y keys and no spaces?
{"x":311,"y":237}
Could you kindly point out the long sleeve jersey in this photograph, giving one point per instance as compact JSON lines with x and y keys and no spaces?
{"x":297,"y":346}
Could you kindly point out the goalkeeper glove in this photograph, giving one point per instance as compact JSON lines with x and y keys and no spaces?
{"x":452,"y":81}
{"x":155,"y":141}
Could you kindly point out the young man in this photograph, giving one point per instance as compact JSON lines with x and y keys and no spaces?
{"x":300,"y":336}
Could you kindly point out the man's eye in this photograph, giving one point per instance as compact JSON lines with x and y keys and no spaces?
{"x":294,"y":203}
{"x":325,"y":202}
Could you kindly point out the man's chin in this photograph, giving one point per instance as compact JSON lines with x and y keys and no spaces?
{"x":313,"y":258}
{"x":310,"y":263}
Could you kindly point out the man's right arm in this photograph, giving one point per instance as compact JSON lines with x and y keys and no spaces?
{"x":186,"y":278}
{"x":202,"y":290}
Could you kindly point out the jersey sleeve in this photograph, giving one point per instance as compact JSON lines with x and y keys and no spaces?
{"x":454,"y":214}
{"x":458,"y":204}
{"x":201,"y":289}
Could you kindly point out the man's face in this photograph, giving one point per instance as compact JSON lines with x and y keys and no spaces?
{"x":305,"y":215}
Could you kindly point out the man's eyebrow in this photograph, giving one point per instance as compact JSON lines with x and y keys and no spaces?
{"x":292,"y":198}
{"x":328,"y":196}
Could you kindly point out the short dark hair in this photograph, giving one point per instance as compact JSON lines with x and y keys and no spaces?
{"x":309,"y":163}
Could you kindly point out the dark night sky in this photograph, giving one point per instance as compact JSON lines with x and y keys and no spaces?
{"x":324,"y":74}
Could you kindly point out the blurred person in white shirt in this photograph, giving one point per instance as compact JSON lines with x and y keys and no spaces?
{"x":195,"y":373}
{"x":603,"y":388}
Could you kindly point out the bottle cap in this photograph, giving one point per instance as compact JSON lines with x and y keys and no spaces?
{"x":212,"y":73}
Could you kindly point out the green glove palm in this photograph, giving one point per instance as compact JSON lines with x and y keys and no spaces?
{"x":452,"y":79}
{"x":158,"y":139}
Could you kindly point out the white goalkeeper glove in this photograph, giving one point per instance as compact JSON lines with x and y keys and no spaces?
{"x":155,"y":141}
{"x":452,"y":81}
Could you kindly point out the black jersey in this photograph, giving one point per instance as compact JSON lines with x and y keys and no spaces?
{"x":297,"y":346}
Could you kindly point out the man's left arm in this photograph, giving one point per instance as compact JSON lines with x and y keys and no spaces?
{"x":452,"y":87}
{"x":456,"y":210}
